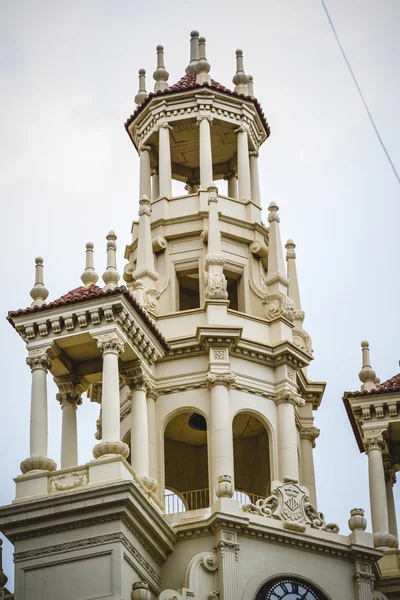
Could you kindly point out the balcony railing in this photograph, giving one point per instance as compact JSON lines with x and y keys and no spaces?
{"x":196,"y":499}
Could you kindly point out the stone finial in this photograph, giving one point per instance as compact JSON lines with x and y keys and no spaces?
{"x":250,"y":86}
{"x":194,"y":53}
{"x":240,"y":79}
{"x":89,"y":275}
{"x":160,"y":75}
{"x":367,"y":375}
{"x":357,"y":521}
{"x":111,"y":275}
{"x":39,"y":292}
{"x":142,"y":94}
{"x":294,"y":291}
{"x":202,"y":66}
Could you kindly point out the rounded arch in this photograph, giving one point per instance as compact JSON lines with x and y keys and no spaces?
{"x":286,"y":579}
{"x":252,"y":455}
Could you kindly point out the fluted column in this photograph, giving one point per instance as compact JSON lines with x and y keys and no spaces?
{"x":243,"y":163}
{"x":308,"y":437}
{"x":111,"y":345}
{"x":390,"y":478}
{"x":164,"y":161}
{"x":254,"y":178}
{"x":374,"y":445}
{"x":145,"y":172}
{"x":286,"y":400}
{"x":221,"y":436}
{"x":137,"y":382}
{"x":206,"y":166}
{"x":39,"y":360}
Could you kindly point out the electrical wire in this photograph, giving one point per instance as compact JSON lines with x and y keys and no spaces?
{"x":360,"y":92}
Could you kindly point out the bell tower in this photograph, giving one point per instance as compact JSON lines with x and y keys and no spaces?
{"x":202,"y":484}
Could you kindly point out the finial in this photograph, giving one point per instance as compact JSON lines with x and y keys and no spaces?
{"x":194,"y":53}
{"x":250,"y":86}
{"x":203,"y":66}
{"x":39,"y":293}
{"x":160,"y":74}
{"x":89,"y":275}
{"x":273,"y":212}
{"x":290,"y":246}
{"x":111,"y":275}
{"x":142,"y":94}
{"x":367,"y":375}
{"x":240,"y":79}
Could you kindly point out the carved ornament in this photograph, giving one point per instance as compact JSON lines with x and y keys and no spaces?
{"x":278,"y":305}
{"x":226,"y":379}
{"x":41,"y":358}
{"x":373,"y":440}
{"x":289,"y":396}
{"x":311,"y":434}
{"x":216,"y":286}
{"x":289,"y":502}
{"x":68,"y":481}
{"x":110,"y":343}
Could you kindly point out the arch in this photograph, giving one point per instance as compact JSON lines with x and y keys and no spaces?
{"x":325,"y":582}
{"x":251,"y":451}
{"x":185,"y":458}
{"x":263,"y":589}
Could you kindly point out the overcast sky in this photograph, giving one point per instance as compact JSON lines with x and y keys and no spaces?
{"x":69,"y":174}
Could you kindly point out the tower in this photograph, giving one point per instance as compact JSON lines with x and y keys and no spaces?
{"x":202,"y":484}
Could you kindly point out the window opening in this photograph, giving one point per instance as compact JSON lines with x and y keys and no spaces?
{"x":189,"y":289}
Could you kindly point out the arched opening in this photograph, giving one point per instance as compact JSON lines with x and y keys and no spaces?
{"x":251,"y":458}
{"x":186,"y":463}
{"x":288,"y":587}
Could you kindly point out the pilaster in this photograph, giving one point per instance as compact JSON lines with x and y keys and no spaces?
{"x":227,"y":549}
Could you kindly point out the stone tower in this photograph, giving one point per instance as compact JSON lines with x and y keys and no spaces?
{"x":202,"y":484}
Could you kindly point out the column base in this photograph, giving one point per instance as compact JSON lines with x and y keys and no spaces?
{"x":37,"y":463}
{"x":104,"y":447}
{"x":385,"y":540}
{"x":150,"y":483}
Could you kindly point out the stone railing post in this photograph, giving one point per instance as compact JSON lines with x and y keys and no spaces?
{"x":111,"y":345}
{"x":39,"y":360}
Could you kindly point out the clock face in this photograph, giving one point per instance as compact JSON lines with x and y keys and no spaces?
{"x":288,"y":588}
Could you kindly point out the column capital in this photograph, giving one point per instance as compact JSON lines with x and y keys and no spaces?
{"x":136,"y":378}
{"x":226,"y":379}
{"x":311,"y":434}
{"x":241,"y":129}
{"x":144,"y":206}
{"x":230,"y":175}
{"x":144,"y":148}
{"x":110,"y":343}
{"x":373,"y":440}
{"x":205,"y":118}
{"x":390,"y":474}
{"x":42,"y":358}
{"x":70,"y":390}
{"x":151,"y":391}
{"x":164,"y":126}
{"x":287,"y":396}
{"x":254,"y":153}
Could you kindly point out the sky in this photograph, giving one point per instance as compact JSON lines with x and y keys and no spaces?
{"x":69,"y":174}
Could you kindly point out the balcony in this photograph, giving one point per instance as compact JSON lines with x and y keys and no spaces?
{"x":181,"y":502}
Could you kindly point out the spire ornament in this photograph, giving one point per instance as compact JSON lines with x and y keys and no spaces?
{"x":39,"y":292}
{"x":89,"y":275}
{"x":300,"y":338}
{"x":160,"y":75}
{"x":202,"y":66}
{"x":111,"y":275}
{"x":145,"y":274}
{"x":194,"y":53}
{"x":142,"y":94}
{"x":250,"y":86}
{"x":367,"y":375}
{"x":240,"y":79}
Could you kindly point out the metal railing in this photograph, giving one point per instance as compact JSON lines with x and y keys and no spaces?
{"x":183,"y":501}
{"x":196,"y":499}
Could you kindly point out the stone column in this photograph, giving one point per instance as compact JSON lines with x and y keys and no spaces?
{"x":308,"y":437}
{"x":374,"y":445}
{"x":286,"y":400}
{"x":390,"y":478}
{"x":137,"y":382}
{"x":231,"y":178}
{"x":254,"y":178}
{"x":111,"y":345}
{"x":206,"y":166}
{"x":151,"y":397}
{"x":145,"y":172}
{"x":69,"y":397}
{"x":39,"y":360}
{"x":164,"y":161}
{"x":221,"y":436}
{"x":243,"y":163}
{"x":155,"y":185}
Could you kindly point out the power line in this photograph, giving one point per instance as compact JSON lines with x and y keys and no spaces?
{"x":360,"y":92}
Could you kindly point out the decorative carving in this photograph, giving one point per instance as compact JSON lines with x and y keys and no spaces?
{"x":224,"y":487}
{"x":140,"y":591}
{"x":226,"y":379}
{"x":289,"y":396}
{"x":216,"y":286}
{"x":68,"y":481}
{"x":111,"y":447}
{"x":70,"y":390}
{"x":135,"y":375}
{"x":99,"y":429}
{"x":357,"y":521}
{"x":219,"y":354}
{"x":278,"y":305}
{"x":41,"y":358}
{"x":150,"y":297}
{"x":385,"y":540}
{"x":311,"y":434}
{"x":289,"y":502}
{"x":34,"y":463}
{"x":302,"y":340}
{"x":373,"y":440}
{"x":110,"y":342}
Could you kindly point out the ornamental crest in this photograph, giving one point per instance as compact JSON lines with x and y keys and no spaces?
{"x":289,"y":502}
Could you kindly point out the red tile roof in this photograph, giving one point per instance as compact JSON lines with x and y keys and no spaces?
{"x":188,"y":82}
{"x":83,"y":294}
{"x":387,"y":387}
